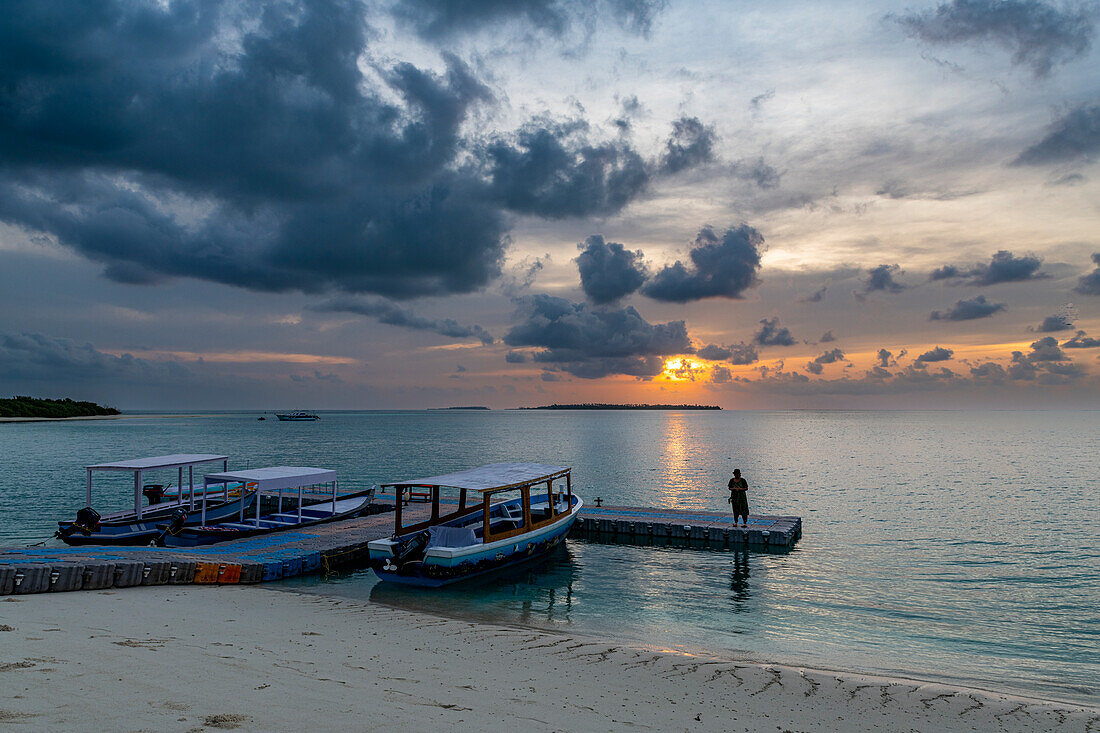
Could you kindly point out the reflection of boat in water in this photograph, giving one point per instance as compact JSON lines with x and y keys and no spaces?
{"x":536,"y":592}
{"x":139,"y":525}
{"x":297,"y":416}
{"x":274,"y":480}
{"x":519,"y":517}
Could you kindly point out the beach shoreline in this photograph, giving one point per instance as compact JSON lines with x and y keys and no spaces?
{"x":183,"y":658}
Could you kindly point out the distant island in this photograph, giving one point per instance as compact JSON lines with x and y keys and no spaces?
{"x":607,"y":406}
{"x":23,"y":406}
{"x":470,"y":407}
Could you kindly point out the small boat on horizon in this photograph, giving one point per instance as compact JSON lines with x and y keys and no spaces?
{"x":138,"y":526}
{"x":499,"y":530}
{"x":273,"y":480}
{"x":297,"y":416}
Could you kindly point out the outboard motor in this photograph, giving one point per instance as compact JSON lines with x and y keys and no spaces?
{"x":176,"y":522}
{"x":87,"y":521}
{"x":153,"y":492}
{"x":408,"y":550}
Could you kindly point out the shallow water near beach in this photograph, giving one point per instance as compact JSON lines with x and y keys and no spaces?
{"x":957,"y":546}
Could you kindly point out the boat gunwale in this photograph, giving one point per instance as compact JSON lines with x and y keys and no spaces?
{"x":453,"y":552}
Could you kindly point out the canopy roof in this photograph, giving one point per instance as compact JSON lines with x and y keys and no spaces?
{"x":491,"y":476}
{"x":275,"y":477}
{"x":146,"y":464}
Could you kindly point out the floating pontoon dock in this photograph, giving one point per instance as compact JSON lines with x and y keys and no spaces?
{"x":326,"y":547}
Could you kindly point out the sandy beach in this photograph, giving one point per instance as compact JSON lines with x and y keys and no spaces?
{"x":192,"y":658}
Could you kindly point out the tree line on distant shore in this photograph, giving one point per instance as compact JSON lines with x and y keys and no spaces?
{"x":23,"y":406}
{"x":606,"y":406}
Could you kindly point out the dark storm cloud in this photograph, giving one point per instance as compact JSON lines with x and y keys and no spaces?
{"x":1075,"y":136}
{"x":1045,"y":363}
{"x":758,"y":172}
{"x":242,"y":143}
{"x":515,"y":357}
{"x":720,"y":374}
{"x":441,"y":19}
{"x":739,"y":354}
{"x":827,"y":337}
{"x":551,"y":169}
{"x":38,"y":357}
{"x":937,"y":354}
{"x":947,"y":272}
{"x":1037,"y":33}
{"x":885,"y":358}
{"x":714,"y":352}
{"x":1046,"y":349}
{"x":720,"y":268}
{"x":1003,"y":267}
{"x":829,"y":357}
{"x":1054,"y":323}
{"x":595,"y":343}
{"x":742,"y":354}
{"x":437,"y":19}
{"x":988,"y":372}
{"x":608,"y":270}
{"x":691,"y":144}
{"x":1081,"y":341}
{"x":967,"y":310}
{"x":1090,"y":284}
{"x":880,"y":279}
{"x":394,"y":315}
{"x":772,"y":334}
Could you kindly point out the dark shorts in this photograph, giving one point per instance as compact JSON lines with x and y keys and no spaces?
{"x":740,"y":501}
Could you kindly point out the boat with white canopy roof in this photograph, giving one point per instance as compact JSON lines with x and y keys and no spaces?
{"x":517,"y":515}
{"x":138,"y":526}
{"x":272,"y":481}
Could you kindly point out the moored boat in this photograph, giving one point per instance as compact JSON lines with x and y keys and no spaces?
{"x":139,"y":525}
{"x":272,"y":481}
{"x":297,"y":416}
{"x":517,"y":516}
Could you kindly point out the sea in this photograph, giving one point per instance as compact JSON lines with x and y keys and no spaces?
{"x":956,"y":546}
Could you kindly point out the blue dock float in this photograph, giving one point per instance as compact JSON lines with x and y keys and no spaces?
{"x":327,"y":547}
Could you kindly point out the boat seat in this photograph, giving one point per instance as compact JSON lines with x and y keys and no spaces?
{"x":441,"y":536}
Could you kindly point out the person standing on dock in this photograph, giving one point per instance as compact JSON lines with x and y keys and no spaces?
{"x":739,"y":497}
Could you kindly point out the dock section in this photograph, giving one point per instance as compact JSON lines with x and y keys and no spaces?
{"x":627,"y":525}
{"x":327,"y":547}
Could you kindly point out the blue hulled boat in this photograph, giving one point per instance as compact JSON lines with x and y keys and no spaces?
{"x":139,"y":525}
{"x":274,"y":481}
{"x":517,"y":516}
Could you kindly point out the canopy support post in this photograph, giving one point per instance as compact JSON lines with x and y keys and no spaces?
{"x":191,"y":485}
{"x":179,"y":485}
{"x":397,"y":518}
{"x":88,"y":493}
{"x":137,"y":493}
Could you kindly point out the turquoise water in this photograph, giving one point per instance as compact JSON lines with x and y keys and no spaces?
{"x":957,"y":546}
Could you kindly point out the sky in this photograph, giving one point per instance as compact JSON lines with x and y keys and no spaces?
{"x":427,"y":203}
